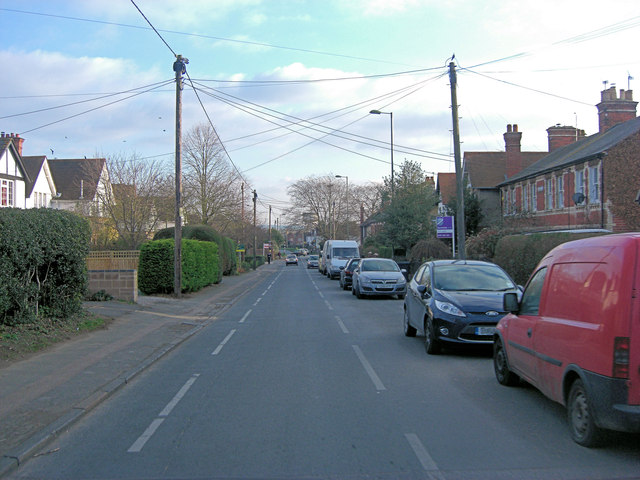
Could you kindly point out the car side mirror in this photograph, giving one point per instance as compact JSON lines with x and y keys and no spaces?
{"x":423,"y":291}
{"x":341,"y":268}
{"x":510,"y":303}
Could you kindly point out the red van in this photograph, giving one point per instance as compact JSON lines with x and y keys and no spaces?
{"x":575,"y":334}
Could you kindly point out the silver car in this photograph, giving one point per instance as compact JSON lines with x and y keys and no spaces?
{"x":378,"y":276}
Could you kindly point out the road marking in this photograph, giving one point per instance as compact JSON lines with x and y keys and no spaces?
{"x":222,"y":344}
{"x":264,"y":293}
{"x":151,"y":429}
{"x":321,"y":294}
{"x":423,"y":456}
{"x":369,"y":369}
{"x":257,"y":301}
{"x":181,"y":393}
{"x":342,"y":325}
{"x":245,"y":316}
{"x":328,"y":305}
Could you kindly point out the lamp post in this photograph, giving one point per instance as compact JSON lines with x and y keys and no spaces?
{"x":378,"y":112}
{"x":347,"y":178}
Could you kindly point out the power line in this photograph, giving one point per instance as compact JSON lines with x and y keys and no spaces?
{"x":245,"y":42}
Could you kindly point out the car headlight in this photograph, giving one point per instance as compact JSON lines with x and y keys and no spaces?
{"x":449,"y":308}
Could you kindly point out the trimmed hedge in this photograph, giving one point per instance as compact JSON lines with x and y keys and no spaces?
{"x":200,"y":266}
{"x":520,"y":254}
{"x":43,"y":269}
{"x":226,"y":246}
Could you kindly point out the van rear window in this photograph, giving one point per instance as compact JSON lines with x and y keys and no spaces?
{"x":345,"y":252}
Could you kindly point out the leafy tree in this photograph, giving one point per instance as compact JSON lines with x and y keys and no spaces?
{"x":472,"y":211}
{"x":408,"y":215}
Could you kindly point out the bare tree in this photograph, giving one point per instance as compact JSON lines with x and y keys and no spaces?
{"x":133,"y":201}
{"x":211,"y":185}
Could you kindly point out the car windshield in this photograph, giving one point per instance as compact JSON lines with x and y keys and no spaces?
{"x":470,"y":278}
{"x":379,"y":265}
{"x":345,"y":252}
{"x":313,"y":257}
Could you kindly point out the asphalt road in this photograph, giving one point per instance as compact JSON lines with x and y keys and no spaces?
{"x":301,"y":380}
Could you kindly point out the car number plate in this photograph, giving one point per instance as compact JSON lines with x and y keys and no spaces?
{"x":483,"y":331}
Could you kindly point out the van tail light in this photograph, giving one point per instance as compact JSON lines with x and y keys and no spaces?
{"x":621,"y":357}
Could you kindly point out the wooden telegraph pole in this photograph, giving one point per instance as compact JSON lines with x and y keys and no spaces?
{"x":179,"y":67}
{"x":460,"y":228}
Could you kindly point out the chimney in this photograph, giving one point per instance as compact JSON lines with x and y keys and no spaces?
{"x":559,"y":136}
{"x":17,"y":141}
{"x":512,"y":149}
{"x":613,"y":110}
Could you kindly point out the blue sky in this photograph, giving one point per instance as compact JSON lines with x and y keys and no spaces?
{"x":532,"y":63}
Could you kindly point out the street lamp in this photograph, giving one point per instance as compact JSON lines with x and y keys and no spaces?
{"x":378,"y":112}
{"x":347,"y":178}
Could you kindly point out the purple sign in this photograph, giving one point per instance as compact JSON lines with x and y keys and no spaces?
{"x":444,"y":227}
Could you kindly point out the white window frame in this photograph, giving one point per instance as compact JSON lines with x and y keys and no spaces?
{"x":525,"y":197}
{"x":580,"y":185}
{"x":534,"y":196}
{"x":560,"y":190}
{"x":594,"y":185}
{"x":548,"y":194}
{"x":7,"y":193}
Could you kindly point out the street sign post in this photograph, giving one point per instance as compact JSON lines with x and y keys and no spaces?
{"x":445,"y":229}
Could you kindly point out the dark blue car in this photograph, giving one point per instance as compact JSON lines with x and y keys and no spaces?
{"x":456,"y":302}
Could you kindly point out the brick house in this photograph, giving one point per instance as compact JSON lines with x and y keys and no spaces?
{"x":583,"y":182}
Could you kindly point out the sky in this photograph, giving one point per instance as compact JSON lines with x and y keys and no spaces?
{"x":289,"y":84}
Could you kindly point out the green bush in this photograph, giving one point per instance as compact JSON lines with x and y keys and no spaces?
{"x":200,"y":266}
{"x":206,"y":233}
{"x":482,"y":246}
{"x":429,"y":249}
{"x":519,"y":254}
{"x":42,"y":264}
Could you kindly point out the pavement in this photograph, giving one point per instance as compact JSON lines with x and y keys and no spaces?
{"x":43,"y":395}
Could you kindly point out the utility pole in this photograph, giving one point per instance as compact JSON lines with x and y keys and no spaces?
{"x":269,"y":224}
{"x":243,"y":239}
{"x":255,"y":237}
{"x":179,"y":67}
{"x":460,"y":227}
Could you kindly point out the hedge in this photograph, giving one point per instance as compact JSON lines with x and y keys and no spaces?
{"x":42,"y":264}
{"x":200,"y":266}
{"x":520,"y":254}
{"x":226,"y":246}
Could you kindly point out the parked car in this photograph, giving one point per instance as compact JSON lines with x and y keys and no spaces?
{"x":291,"y":259}
{"x":456,"y":302}
{"x":378,"y":276}
{"x":312,"y":261}
{"x":575,"y":334}
{"x":347,"y":272}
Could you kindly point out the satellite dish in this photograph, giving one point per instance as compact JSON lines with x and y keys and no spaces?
{"x":578,"y":198}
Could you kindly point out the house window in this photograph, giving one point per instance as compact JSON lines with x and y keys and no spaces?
{"x":560,"y":190}
{"x":580,"y":185}
{"x":525,"y":198}
{"x":6,"y":197}
{"x":549,"y":194}
{"x":534,"y":197}
{"x":594,"y":191}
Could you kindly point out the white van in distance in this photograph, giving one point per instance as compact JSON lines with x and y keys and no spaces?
{"x":336,"y":254}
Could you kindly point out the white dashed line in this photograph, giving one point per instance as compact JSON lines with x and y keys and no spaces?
{"x":423,"y":456}
{"x":369,"y":369}
{"x":342,"y":325}
{"x":245,"y":316}
{"x":222,"y":344}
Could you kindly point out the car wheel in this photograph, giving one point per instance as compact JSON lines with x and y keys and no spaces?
{"x":345,"y":286}
{"x":501,"y":366}
{"x":431,"y":344}
{"x":400,"y":296}
{"x":409,"y":331}
{"x":583,"y":428}
{"x":359,"y":293}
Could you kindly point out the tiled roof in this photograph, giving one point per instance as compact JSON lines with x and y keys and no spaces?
{"x":70,"y":176}
{"x":488,"y":169}
{"x":579,"y":151}
{"x":446,"y":186}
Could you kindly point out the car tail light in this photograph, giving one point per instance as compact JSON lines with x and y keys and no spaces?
{"x":621,"y":357}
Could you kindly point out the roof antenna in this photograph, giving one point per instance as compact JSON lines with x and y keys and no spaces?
{"x":629,"y":78}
